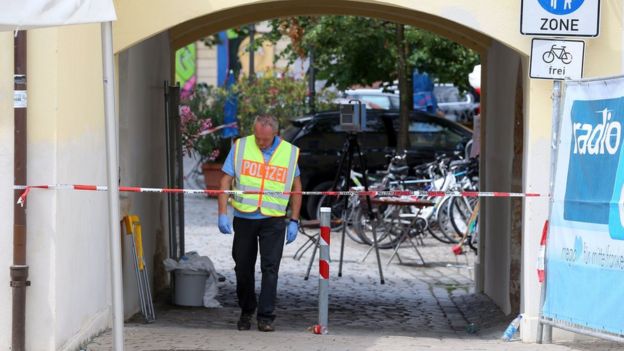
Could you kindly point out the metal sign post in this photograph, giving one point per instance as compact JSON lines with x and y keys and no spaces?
{"x":112,"y":166}
{"x":544,"y":332}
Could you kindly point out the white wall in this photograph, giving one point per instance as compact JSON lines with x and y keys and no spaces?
{"x":502,"y":71}
{"x":536,"y":174}
{"x":142,"y":71}
{"x":67,"y":247}
{"x":6,"y":182}
{"x":206,"y":64}
{"x":68,"y":232}
{"x":81,"y":240}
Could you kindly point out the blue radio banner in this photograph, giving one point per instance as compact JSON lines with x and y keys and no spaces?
{"x":585,"y":247}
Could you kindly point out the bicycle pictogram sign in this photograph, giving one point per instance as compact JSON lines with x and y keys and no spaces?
{"x":557,"y":59}
{"x":557,"y":52}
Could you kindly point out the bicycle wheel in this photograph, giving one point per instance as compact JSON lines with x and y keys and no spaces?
{"x":387,"y":231}
{"x":444,"y":221}
{"x":434,"y":229}
{"x":461,"y":209}
{"x":336,"y":203}
{"x":566,"y":57}
{"x":548,"y":57}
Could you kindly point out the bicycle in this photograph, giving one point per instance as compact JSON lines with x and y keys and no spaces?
{"x":194,"y":178}
{"x":558,"y":52}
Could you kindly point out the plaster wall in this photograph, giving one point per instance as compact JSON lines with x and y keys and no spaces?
{"x":499,"y":127}
{"x":68,"y":243}
{"x":143,"y":70}
{"x":67,"y":251}
{"x":81,"y":237}
{"x":206,"y":64}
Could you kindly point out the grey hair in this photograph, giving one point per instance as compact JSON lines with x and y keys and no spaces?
{"x":267,"y":120}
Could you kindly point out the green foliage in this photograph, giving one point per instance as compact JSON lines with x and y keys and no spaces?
{"x":357,"y":50}
{"x":282,"y":97}
{"x":274,"y":94}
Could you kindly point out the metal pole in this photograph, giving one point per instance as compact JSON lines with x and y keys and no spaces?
{"x":178,"y":176}
{"x":252,"y":51}
{"x":312,"y":83}
{"x":544,"y":331}
{"x":170,"y":203}
{"x":584,"y":331}
{"x":324,"y":239}
{"x":113,"y":186}
{"x":19,"y":269}
{"x":347,"y":182}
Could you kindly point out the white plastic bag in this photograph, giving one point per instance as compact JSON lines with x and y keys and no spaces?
{"x":192,"y":261}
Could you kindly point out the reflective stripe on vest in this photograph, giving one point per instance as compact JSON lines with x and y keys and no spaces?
{"x":254,"y":174}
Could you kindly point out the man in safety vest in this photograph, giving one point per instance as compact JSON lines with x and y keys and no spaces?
{"x":262,"y":162}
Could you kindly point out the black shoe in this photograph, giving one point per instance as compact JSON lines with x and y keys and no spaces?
{"x":244,"y":322}
{"x":265,"y":326}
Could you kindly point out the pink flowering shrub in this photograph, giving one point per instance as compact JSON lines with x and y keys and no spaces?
{"x":200,"y":113}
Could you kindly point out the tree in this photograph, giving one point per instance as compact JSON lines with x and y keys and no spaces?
{"x":351,"y":50}
{"x":359,"y":50}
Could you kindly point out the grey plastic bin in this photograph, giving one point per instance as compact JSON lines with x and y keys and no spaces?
{"x":189,"y":287}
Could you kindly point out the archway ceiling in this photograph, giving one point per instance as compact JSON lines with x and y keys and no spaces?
{"x":474,"y":24}
{"x":200,"y":27}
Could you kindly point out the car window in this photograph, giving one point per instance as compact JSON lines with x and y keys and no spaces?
{"x":323,"y":135}
{"x":290,"y":132}
{"x":373,"y":124}
{"x":433,"y":135}
{"x":374,"y":136}
{"x":375,"y":102}
{"x":326,"y":125}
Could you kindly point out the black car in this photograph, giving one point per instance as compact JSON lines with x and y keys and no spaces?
{"x":320,"y":140}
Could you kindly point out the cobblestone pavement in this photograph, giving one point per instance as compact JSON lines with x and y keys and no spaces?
{"x":431,"y":307}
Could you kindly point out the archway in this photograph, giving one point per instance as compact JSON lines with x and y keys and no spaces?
{"x":145,"y":54}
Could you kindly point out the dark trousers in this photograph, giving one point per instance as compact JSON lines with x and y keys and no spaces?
{"x":248,"y":233}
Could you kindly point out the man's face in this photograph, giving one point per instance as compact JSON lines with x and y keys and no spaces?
{"x":264,"y":136}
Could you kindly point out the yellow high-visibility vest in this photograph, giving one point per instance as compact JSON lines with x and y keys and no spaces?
{"x":252,"y":173}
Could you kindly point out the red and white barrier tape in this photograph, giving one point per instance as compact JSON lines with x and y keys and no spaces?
{"x":212,"y":130}
{"x":541,"y":257}
{"x":407,"y":193}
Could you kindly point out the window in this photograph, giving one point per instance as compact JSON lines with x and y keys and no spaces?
{"x":375,"y":102}
{"x":430,"y":134}
{"x":323,"y":135}
{"x":290,"y":132}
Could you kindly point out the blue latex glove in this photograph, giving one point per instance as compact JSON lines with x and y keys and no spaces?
{"x":224,"y":224}
{"x":291,"y":232}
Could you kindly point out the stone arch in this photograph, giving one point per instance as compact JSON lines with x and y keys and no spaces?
{"x":503,"y":51}
{"x":474,"y":29}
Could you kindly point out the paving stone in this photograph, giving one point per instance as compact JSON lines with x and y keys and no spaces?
{"x":418,"y":307}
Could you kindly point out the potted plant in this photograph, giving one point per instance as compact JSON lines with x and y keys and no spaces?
{"x":200,"y":114}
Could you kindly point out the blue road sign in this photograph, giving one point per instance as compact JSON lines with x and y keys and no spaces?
{"x":561,"y":7}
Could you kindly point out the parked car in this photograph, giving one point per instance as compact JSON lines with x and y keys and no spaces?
{"x":374,"y":99}
{"x":321,"y":140}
